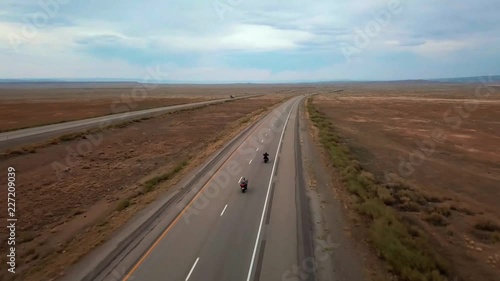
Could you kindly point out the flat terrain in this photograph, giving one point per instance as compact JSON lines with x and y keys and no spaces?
{"x":23,"y":106}
{"x":24,"y":114}
{"x":443,"y":140}
{"x":58,"y":205}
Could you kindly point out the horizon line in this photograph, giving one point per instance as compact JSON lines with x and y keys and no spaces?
{"x":133,"y":80}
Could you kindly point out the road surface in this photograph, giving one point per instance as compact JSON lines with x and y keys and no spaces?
{"x":224,"y":234}
{"x":31,"y":135}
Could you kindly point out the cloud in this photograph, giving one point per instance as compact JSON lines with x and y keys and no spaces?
{"x":240,"y":38}
{"x":438,"y":47}
{"x":255,"y":39}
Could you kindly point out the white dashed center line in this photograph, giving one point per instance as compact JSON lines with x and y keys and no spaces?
{"x":223,"y":210}
{"x":192,"y":268}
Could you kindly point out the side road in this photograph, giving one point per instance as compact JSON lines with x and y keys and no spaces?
{"x":31,"y":135}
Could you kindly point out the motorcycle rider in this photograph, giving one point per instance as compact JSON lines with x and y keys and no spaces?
{"x":266,"y":155}
{"x":244,"y":181}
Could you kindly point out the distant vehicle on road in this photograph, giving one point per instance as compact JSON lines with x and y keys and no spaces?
{"x":243,"y":185}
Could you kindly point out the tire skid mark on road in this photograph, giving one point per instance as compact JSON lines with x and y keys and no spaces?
{"x":304,"y":223}
{"x":268,"y":218}
{"x":259,"y":263}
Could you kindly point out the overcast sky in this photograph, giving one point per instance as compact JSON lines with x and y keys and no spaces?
{"x":249,"y":40}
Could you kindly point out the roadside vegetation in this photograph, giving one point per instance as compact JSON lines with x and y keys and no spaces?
{"x":152,"y":183}
{"x":395,"y":238}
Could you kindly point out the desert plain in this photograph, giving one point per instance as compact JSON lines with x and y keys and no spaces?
{"x":442,"y":140}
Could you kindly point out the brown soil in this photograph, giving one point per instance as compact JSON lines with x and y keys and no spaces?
{"x":17,"y":115}
{"x":444,"y":143}
{"x":64,"y":214}
{"x":24,"y":106}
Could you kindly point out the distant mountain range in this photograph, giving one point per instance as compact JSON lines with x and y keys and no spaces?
{"x":66,"y":80}
{"x":473,"y":79}
{"x":113,"y":82}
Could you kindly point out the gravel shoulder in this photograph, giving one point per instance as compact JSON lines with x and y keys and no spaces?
{"x":340,"y":252}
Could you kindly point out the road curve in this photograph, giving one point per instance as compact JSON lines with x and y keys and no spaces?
{"x":30,"y":135}
{"x":220,"y":233}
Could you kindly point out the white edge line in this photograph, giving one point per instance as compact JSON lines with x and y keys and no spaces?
{"x":192,"y":268}
{"x":223,"y":210}
{"x":267,"y":199}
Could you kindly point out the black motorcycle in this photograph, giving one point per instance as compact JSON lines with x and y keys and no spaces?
{"x":266,"y":159}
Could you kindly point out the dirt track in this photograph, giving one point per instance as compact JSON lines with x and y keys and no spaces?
{"x":444,"y":145}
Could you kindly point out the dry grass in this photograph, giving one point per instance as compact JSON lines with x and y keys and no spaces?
{"x":436,"y":219}
{"x":123,"y":204}
{"x":400,"y":244}
{"x":152,"y":183}
{"x":487,"y":225}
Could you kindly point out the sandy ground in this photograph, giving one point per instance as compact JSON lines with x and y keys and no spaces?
{"x":54,"y":208}
{"x":445,"y":142}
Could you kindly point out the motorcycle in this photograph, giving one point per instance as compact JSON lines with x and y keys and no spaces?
{"x":243,"y":187}
{"x":266,"y":159}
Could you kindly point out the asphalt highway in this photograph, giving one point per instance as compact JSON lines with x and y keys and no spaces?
{"x":30,"y":135}
{"x":224,"y":234}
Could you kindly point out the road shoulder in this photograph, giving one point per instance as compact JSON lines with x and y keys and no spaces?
{"x":337,"y":254}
